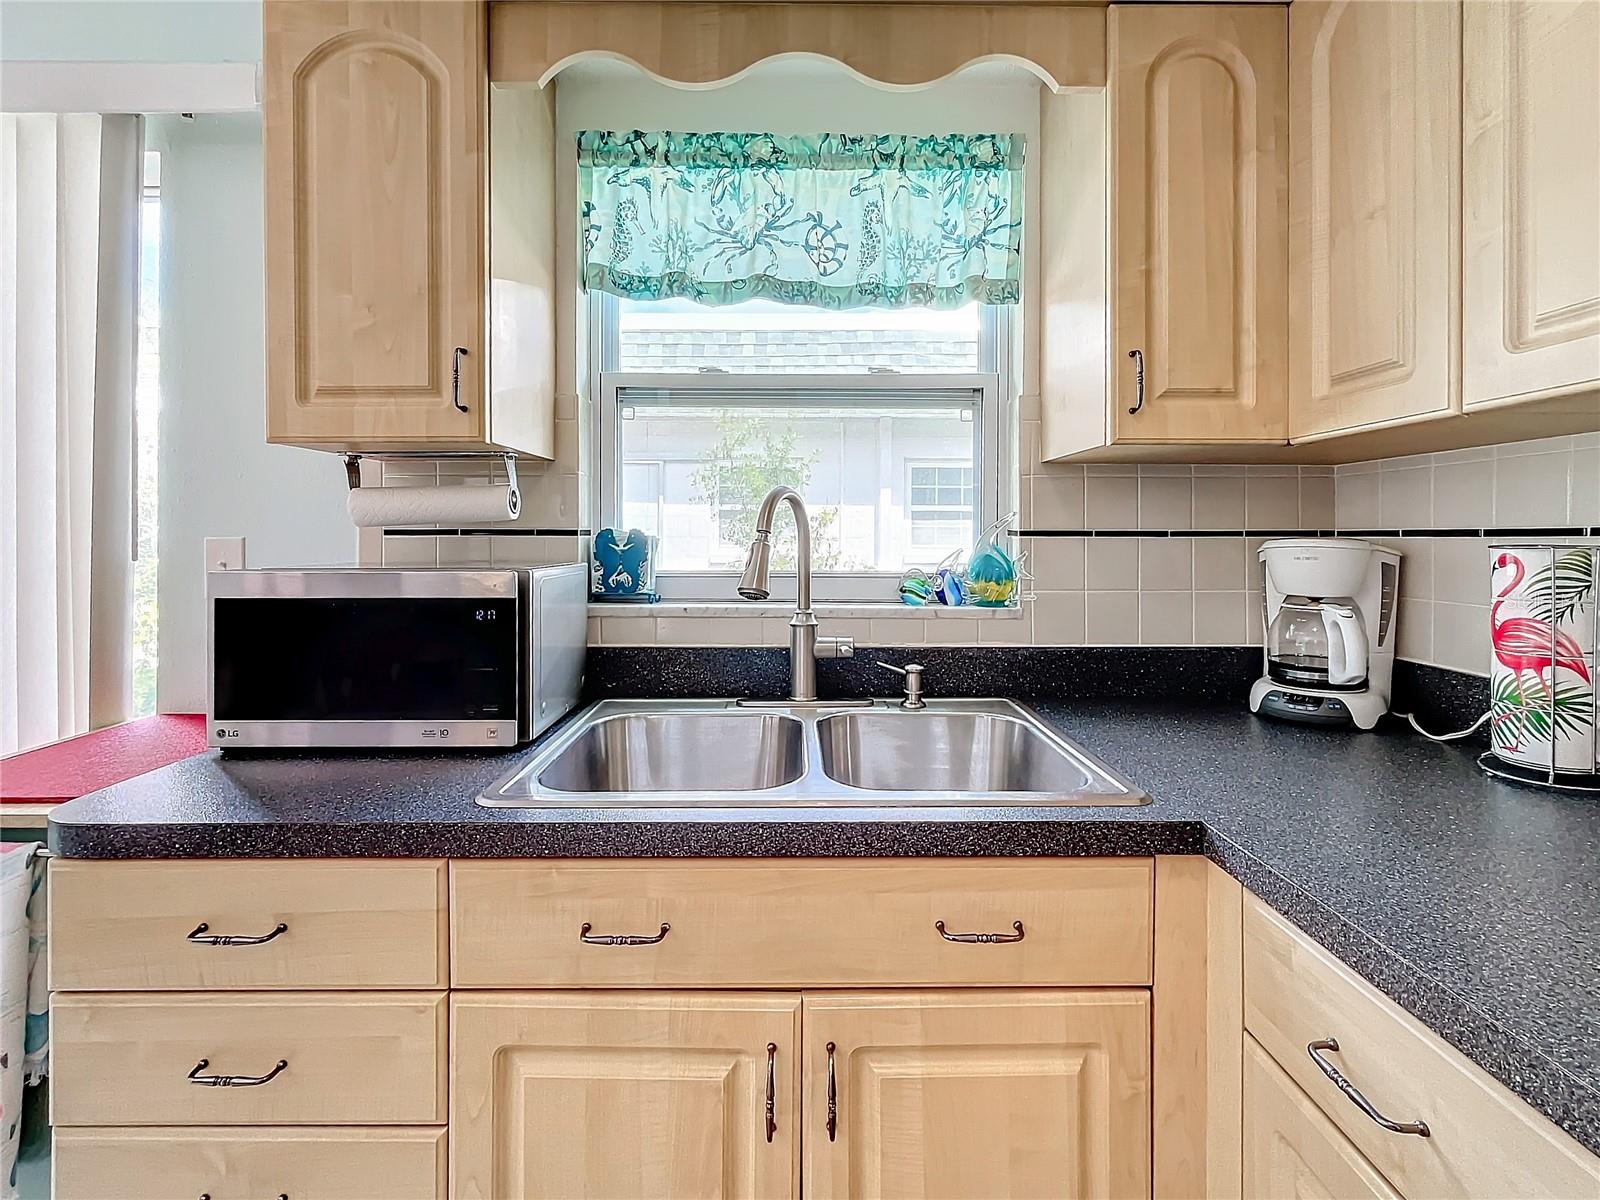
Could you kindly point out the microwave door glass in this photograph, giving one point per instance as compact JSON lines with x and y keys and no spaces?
{"x":398,"y":659}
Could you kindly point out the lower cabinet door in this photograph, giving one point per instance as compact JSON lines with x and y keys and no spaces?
{"x":249,"y":1164}
{"x":1291,"y":1150}
{"x":977,"y":1094}
{"x":644,"y":1095}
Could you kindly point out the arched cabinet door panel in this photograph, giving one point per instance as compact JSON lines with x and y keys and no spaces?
{"x":374,"y":173}
{"x":1373,"y":304}
{"x":1531,"y":168}
{"x":1199,"y":162}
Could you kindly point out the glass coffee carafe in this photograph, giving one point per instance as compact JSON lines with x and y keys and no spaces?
{"x":1315,"y":643}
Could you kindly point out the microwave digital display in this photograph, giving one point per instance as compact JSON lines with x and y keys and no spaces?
{"x":368,"y":659}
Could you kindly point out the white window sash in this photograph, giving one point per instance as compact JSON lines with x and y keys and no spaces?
{"x":982,"y":390}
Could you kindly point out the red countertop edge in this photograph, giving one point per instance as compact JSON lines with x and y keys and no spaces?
{"x":75,"y":767}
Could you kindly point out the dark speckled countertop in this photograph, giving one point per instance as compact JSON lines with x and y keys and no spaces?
{"x":1474,"y":904}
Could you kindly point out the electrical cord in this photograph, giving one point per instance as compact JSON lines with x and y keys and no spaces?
{"x":1447,"y":737}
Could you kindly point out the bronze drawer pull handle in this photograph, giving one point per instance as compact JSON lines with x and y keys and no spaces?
{"x":772,"y":1090}
{"x":621,"y":939}
{"x":281,"y":1196}
{"x":234,"y":1080}
{"x":1349,"y":1089}
{"x":199,"y":937}
{"x":1138,"y":381}
{"x":983,"y":939}
{"x":833,"y":1097}
{"x":456,"y":356}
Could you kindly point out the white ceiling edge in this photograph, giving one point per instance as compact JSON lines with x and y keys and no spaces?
{"x":124,"y":87}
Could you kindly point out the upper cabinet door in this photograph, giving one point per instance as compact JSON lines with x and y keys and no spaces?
{"x":1373,"y":117}
{"x":562,"y":1095}
{"x":1199,"y":219}
{"x":977,"y":1094}
{"x":1531,"y":236}
{"x":373,"y":133}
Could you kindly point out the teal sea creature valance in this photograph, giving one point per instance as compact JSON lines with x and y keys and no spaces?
{"x":833,"y":220}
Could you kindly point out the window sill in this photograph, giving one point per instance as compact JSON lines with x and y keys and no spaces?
{"x":840,"y":609}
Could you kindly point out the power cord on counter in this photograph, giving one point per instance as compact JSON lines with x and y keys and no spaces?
{"x":1447,"y":737}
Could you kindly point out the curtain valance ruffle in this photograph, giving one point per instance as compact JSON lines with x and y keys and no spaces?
{"x":832,"y":220}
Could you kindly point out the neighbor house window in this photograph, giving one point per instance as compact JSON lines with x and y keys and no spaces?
{"x":831,"y":313}
{"x":941,"y":505}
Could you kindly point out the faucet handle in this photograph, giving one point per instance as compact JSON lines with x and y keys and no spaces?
{"x":836,"y":647}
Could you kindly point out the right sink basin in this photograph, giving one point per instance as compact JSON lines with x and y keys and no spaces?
{"x":892,"y":750}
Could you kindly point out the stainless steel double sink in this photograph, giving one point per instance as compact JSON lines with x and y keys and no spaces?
{"x":716,"y":753}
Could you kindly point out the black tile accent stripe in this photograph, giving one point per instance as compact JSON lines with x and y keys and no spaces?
{"x":1487,"y":532}
{"x":486,"y":532}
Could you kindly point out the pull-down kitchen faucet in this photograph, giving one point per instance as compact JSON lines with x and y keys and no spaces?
{"x":805,"y":647}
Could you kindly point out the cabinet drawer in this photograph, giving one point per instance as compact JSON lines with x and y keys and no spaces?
{"x":138,"y":925}
{"x":1482,"y":1140}
{"x":355,"y":1059}
{"x":248,"y":1164}
{"x":818,"y":923}
{"x":1289,"y":1143}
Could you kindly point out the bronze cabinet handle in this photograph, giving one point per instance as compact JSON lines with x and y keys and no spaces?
{"x":833,"y":1097}
{"x":234,"y":1080}
{"x":621,"y":939}
{"x":983,"y":939}
{"x":772,"y":1090}
{"x":1138,"y":380}
{"x":200,"y":937}
{"x":1316,"y":1048}
{"x":455,"y":378}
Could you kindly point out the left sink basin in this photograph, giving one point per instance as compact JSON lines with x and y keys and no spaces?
{"x":705,"y":753}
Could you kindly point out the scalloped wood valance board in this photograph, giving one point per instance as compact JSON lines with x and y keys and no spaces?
{"x":694,"y":43}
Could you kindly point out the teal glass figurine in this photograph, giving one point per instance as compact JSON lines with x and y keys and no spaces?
{"x":992,"y":572}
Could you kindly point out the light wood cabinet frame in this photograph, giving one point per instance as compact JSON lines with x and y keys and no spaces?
{"x":699,"y":43}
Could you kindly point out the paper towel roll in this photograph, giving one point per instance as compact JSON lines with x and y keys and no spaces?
{"x":461,"y":504}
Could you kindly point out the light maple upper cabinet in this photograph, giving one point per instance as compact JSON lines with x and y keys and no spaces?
{"x":977,"y":1094}
{"x":1164,"y":240}
{"x":603,"y":1094}
{"x":1531,"y":236}
{"x":1199,"y":218}
{"x":377,"y":253}
{"x":1373,"y":305}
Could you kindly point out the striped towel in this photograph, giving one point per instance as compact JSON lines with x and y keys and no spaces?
{"x":24,"y":994}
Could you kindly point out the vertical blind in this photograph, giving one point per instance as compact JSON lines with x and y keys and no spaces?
{"x":69,"y":212}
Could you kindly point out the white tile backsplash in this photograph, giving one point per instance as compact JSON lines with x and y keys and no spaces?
{"x":1133,"y":590}
{"x":1219,"y":502}
{"x":1111,"y":501}
{"x":1552,"y":484}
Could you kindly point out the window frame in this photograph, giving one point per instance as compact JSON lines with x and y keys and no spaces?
{"x":993,"y":433}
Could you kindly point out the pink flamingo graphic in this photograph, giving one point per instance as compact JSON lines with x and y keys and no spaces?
{"x":1526,"y":644}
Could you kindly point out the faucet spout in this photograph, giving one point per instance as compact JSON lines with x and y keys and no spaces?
{"x":755,"y":584}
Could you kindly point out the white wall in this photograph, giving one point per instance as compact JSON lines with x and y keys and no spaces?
{"x":160,"y":31}
{"x":219,"y":477}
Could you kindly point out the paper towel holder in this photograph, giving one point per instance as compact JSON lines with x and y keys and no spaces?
{"x":352,"y":466}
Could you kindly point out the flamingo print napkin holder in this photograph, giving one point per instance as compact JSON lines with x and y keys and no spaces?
{"x":1543,"y":626}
